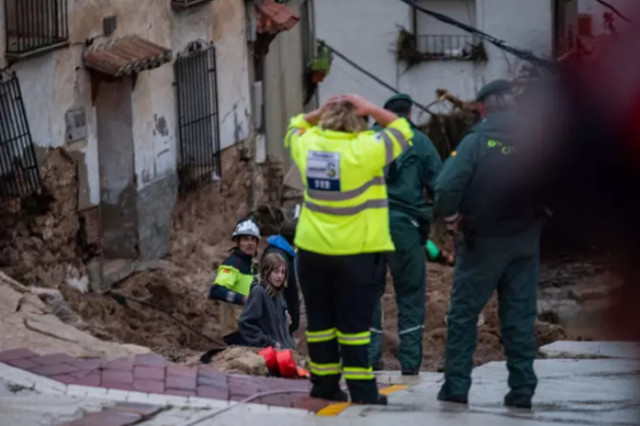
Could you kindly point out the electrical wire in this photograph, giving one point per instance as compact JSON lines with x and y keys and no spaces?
{"x":370,"y":75}
{"x":244,"y":401}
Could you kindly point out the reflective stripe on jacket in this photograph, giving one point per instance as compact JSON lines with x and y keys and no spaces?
{"x":345,"y":208}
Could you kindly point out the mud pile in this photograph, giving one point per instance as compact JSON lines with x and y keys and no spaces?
{"x":38,"y":239}
{"x":168,"y":309}
{"x":157,"y":309}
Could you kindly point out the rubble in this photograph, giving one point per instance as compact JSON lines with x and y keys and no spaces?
{"x":26,"y":321}
{"x":38,"y":243}
{"x":240,"y":360}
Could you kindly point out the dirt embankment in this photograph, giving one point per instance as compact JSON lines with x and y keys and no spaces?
{"x":185,"y":322}
{"x":38,"y":239}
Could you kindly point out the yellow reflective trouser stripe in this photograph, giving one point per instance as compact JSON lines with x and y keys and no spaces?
{"x":354,"y":339}
{"x":346,"y":195}
{"x":358,"y":373}
{"x":346,"y":211}
{"x":321,"y":336}
{"x":325,"y":369}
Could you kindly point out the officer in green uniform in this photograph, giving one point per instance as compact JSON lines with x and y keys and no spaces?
{"x":410,"y":180}
{"x":498,"y":220}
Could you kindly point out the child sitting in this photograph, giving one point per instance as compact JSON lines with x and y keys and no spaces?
{"x":263,"y":321}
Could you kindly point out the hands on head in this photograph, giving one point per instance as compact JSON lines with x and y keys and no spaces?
{"x":363,"y":107}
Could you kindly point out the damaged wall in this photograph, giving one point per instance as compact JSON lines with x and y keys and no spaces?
{"x":57,"y":82}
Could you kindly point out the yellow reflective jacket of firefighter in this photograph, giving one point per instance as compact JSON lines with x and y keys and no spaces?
{"x":345,"y":208}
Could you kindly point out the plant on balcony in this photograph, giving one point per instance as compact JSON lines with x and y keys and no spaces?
{"x":320,"y":66}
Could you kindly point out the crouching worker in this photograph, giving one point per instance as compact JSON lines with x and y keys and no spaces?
{"x":264,"y":320}
{"x":235,"y":275}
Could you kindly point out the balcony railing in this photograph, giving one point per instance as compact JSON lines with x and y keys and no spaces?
{"x":185,"y":4}
{"x":35,"y":25}
{"x":447,"y":47}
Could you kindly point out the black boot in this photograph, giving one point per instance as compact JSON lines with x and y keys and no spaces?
{"x":379,"y":400}
{"x":335,"y":394}
{"x":518,"y":400}
{"x":411,"y":371}
{"x":458,"y":399}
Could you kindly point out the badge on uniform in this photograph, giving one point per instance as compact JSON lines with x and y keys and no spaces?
{"x":323,"y":171}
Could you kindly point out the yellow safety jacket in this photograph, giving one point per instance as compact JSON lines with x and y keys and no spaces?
{"x":345,"y":208}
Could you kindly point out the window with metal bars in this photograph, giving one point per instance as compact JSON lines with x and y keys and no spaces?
{"x":198,"y":119}
{"x":19,"y":175}
{"x":34,"y":26}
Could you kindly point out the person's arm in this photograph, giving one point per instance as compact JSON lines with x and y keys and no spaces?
{"x":225,"y":280}
{"x":251,"y":318}
{"x":381,"y":148}
{"x":454,"y":177}
{"x":363,"y":107}
{"x":432,"y":164}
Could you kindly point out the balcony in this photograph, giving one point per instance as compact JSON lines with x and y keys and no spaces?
{"x":448,"y":47}
{"x":35,"y":26}
{"x":186,"y":4}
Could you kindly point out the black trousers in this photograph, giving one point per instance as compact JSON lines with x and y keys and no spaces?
{"x":340,"y":294}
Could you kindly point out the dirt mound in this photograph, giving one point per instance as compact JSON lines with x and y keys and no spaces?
{"x":240,"y":360}
{"x":38,"y":237}
{"x":26,"y":321}
{"x":158,"y":309}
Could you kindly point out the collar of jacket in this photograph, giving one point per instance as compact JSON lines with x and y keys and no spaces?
{"x":334,"y":134}
{"x":280,"y":242}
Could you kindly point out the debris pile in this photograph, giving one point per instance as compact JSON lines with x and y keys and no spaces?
{"x":38,"y":239}
{"x":29,"y":318}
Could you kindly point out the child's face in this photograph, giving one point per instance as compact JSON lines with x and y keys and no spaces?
{"x":276,"y":278}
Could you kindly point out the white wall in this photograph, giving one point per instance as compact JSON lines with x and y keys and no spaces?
{"x":57,"y":80}
{"x":366,"y":31}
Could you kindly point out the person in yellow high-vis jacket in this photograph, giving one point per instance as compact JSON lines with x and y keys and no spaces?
{"x":342,"y":232}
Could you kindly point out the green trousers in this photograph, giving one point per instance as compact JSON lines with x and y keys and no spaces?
{"x":408,"y":270}
{"x":510,"y":266}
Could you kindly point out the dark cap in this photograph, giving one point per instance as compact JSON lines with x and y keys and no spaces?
{"x":496,"y":87}
{"x":400,"y":104}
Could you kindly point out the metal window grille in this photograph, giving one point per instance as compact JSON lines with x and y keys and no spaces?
{"x":19,"y":175}
{"x":32,"y":25}
{"x":198,"y":119}
{"x":446,"y":47}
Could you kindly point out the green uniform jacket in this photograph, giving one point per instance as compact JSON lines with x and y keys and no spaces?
{"x":479,"y":181}
{"x":410,"y":174}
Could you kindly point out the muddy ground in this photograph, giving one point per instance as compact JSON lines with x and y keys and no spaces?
{"x":167,"y":310}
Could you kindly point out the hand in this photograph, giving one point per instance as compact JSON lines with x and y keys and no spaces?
{"x":278,"y":345}
{"x":289,"y":320}
{"x":363,"y":106}
{"x":244,"y":299}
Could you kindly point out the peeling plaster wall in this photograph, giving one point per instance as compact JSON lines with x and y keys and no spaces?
{"x":366,"y":31}
{"x":57,"y":81}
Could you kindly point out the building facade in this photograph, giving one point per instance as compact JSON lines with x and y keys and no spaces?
{"x":372,"y":34}
{"x":144,"y":95}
